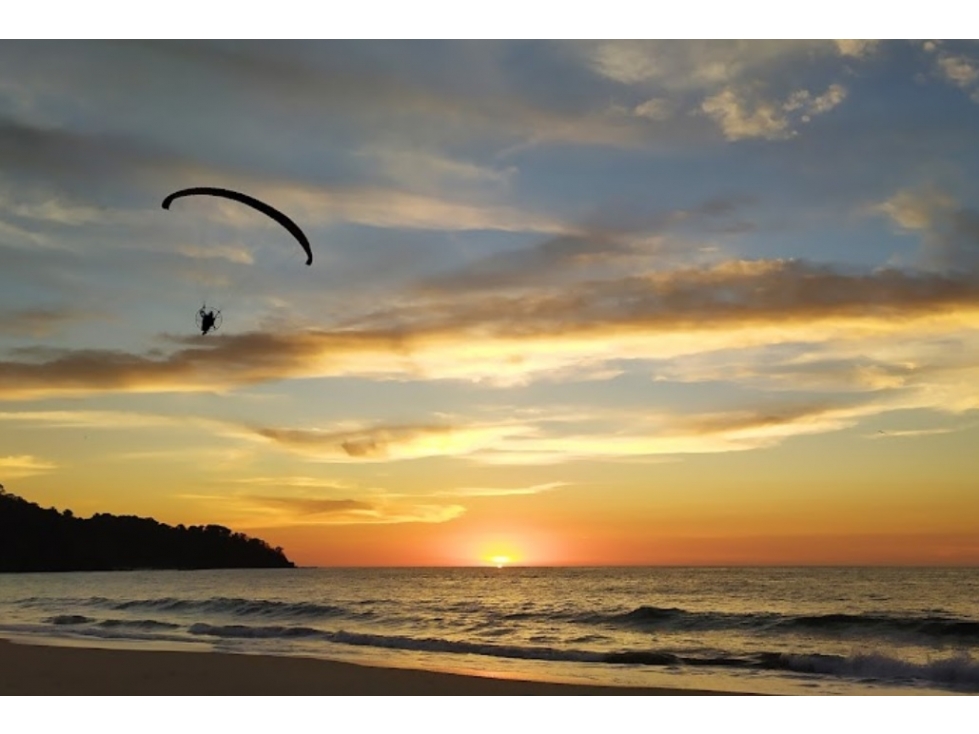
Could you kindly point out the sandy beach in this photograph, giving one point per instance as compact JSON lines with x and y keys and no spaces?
{"x":49,"y":670}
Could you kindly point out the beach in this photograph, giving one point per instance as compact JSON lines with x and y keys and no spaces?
{"x":41,"y":670}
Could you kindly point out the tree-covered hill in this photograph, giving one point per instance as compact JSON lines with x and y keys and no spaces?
{"x":36,"y":539}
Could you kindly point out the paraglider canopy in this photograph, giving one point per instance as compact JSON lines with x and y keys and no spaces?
{"x":251,"y":201}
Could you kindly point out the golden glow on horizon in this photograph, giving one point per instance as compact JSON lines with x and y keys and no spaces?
{"x":500,"y":561}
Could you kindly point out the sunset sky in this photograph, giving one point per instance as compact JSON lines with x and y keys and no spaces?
{"x":571,"y":302}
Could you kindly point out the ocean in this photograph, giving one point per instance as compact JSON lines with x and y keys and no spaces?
{"x":802,"y":631}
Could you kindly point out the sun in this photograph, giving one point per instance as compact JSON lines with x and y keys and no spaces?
{"x":496,"y":551}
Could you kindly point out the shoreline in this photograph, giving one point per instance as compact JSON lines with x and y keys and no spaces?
{"x":29,"y":669}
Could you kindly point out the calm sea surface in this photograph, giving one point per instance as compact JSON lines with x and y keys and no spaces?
{"x":785,"y":630}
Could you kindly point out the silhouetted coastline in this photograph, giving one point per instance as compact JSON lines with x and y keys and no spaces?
{"x":36,"y":539}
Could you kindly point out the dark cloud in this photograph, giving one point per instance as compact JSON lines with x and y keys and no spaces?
{"x":542,"y":263}
{"x":949,"y":231}
{"x":401,"y":90}
{"x":731,"y":295}
{"x":327,"y":75}
{"x":224,"y":362}
{"x":956,"y":243}
{"x":77,"y":157}
{"x":616,"y":236}
{"x":36,"y":322}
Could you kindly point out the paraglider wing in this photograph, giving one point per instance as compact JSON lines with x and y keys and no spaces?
{"x":261,"y":206}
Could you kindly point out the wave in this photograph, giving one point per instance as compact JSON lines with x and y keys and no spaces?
{"x":960,"y":672}
{"x":932,"y":628}
{"x":238,"y":607}
{"x":220,"y":605}
{"x":399,"y":642}
{"x":143,"y":624}
{"x":115,"y":630}
{"x":65,"y":620}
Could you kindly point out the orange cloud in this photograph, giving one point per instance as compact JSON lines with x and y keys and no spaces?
{"x":508,"y":340}
{"x":387,"y":443}
{"x":277,"y":511}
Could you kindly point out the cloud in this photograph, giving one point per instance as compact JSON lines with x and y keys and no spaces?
{"x":232,"y":253}
{"x":856,"y":48}
{"x":302,"y":482}
{"x":511,"y":339}
{"x":828,"y":367}
{"x":75,"y":160}
{"x":211,"y":451}
{"x":743,"y":86}
{"x":740,"y":119}
{"x":732,"y":294}
{"x":697,"y":64}
{"x":614,"y":241}
{"x":913,"y":432}
{"x":58,"y":211}
{"x":785,"y":418}
{"x":950,"y":231}
{"x":391,"y":208}
{"x":277,"y":511}
{"x":538,"y":437}
{"x":659,"y":434}
{"x":312,"y":506}
{"x":655,"y":108}
{"x":655,"y":434}
{"x":35,"y":322}
{"x":960,"y":70}
{"x":915,"y":372}
{"x":547,"y":262}
{"x":14,"y":234}
{"x":304,"y":91}
{"x":803,"y":100}
{"x":501,"y":491}
{"x":743,"y":115}
{"x":106,"y":419}
{"x":24,"y":465}
{"x":546,"y":438}
{"x":389,"y":443}
{"x":917,"y":210}
{"x":64,"y":167}
{"x":923,"y":369}
{"x":432,"y":170}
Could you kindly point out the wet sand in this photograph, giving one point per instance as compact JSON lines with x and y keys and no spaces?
{"x":49,"y":670}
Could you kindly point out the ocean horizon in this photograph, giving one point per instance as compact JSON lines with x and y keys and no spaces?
{"x":813,"y":630}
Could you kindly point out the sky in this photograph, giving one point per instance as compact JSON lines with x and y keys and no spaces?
{"x":571,"y":303}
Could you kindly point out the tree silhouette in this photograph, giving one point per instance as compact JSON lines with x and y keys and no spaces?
{"x":35,"y":539}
